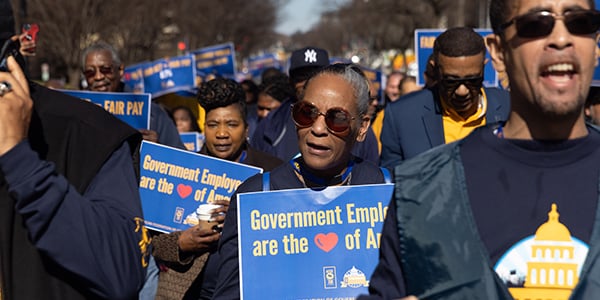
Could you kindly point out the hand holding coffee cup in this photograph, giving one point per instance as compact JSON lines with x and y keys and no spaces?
{"x":210,"y":216}
{"x":220,"y":211}
{"x":197,"y":239}
{"x":208,"y":219}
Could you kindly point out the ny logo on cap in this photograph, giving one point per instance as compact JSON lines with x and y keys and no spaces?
{"x":310,"y":56}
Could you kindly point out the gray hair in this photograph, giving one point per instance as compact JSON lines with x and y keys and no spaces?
{"x":352,"y":74}
{"x":101,"y":46}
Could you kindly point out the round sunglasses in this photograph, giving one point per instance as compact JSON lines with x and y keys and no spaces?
{"x":540,"y":24}
{"x":337,"y":119}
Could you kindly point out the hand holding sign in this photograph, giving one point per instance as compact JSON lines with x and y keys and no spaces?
{"x":149,"y":135}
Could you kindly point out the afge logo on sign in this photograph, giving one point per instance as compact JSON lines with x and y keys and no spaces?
{"x":329,"y":277}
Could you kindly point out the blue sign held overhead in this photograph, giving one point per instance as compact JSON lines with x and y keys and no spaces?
{"x":133,"y":78}
{"x":377,"y":80}
{"x":257,"y":64}
{"x":217,"y":60}
{"x":174,"y":182}
{"x":596,"y":78}
{"x":310,"y":244}
{"x":133,"y":109}
{"x":169,"y":75}
{"x":424,"y":39}
{"x":192,"y":141}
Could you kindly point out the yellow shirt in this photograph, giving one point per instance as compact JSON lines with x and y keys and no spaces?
{"x":455,"y":127}
{"x":376,"y":125}
{"x":173,"y":100}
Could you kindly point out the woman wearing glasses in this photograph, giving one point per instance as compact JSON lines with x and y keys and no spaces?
{"x":330,"y":118}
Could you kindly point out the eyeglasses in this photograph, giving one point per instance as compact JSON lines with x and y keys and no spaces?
{"x":472,"y":83}
{"x":91,"y":72}
{"x":305,"y":114}
{"x":540,"y":24}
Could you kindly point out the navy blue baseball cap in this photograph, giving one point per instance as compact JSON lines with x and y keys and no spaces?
{"x":306,"y":61}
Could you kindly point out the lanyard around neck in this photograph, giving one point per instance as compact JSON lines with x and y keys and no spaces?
{"x":298,"y":165}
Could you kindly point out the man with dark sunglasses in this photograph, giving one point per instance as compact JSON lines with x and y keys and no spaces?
{"x":511,"y":211}
{"x":448,"y":110}
{"x":103,"y":69}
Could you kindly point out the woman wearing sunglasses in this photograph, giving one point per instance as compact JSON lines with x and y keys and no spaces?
{"x":330,"y":118}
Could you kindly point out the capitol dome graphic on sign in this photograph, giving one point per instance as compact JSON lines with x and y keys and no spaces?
{"x":354,"y":278}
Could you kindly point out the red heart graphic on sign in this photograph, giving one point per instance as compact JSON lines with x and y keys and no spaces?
{"x":184,"y":190}
{"x":326,"y":242}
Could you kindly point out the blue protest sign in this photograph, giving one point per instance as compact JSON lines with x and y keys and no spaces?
{"x":133,"y":109}
{"x":310,"y":244}
{"x":215,"y":60}
{"x":174,"y":182}
{"x":596,"y":78}
{"x":257,"y":64}
{"x":376,"y":79}
{"x":133,"y":78}
{"x":192,"y":141}
{"x":424,"y":39}
{"x":169,"y":75}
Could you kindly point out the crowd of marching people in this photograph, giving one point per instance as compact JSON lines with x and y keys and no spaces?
{"x":493,"y":192}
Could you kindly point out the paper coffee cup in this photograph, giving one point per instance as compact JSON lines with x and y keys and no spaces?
{"x":205,"y":211}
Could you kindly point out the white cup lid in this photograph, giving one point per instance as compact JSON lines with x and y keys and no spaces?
{"x":206,"y":209}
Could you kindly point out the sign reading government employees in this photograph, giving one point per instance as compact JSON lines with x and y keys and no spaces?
{"x":133,"y":109}
{"x":307,"y":244}
{"x":174,"y":182}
